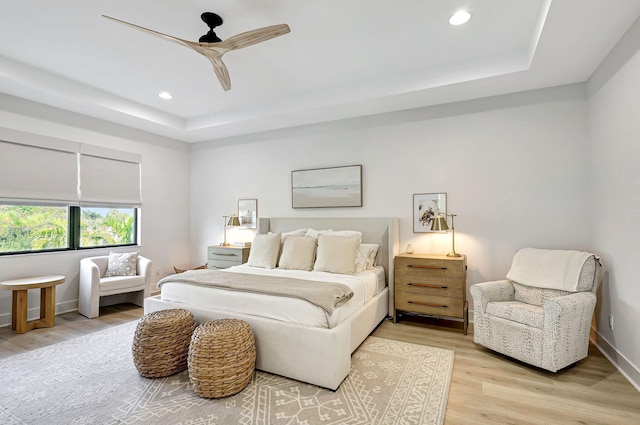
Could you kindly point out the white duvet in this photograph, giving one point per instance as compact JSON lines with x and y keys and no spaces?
{"x":364,"y":285}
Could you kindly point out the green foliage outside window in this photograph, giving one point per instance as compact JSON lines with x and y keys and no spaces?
{"x":103,"y":226}
{"x":31,"y":228}
{"x":25,"y":228}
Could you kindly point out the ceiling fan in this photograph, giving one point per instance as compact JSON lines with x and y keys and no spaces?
{"x":212,"y":47}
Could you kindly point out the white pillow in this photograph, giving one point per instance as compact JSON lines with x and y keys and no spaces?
{"x":264,"y":251}
{"x":312,"y":233}
{"x":336,"y":254}
{"x":298,"y":253}
{"x":366,"y":258}
{"x":299,"y":232}
{"x":122,"y":264}
{"x":346,"y":233}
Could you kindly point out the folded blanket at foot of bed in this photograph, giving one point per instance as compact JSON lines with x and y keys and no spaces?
{"x":326,"y":295}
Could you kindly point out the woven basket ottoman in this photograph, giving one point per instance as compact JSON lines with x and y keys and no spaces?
{"x":222,"y":357}
{"x":161,"y":343}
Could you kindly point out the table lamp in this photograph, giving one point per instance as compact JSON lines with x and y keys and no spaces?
{"x":440,"y":224}
{"x":233,"y":221}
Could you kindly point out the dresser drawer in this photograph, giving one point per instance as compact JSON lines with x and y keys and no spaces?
{"x":225,"y":253}
{"x":408,"y":267}
{"x":220,"y":264}
{"x":430,"y":304}
{"x":430,"y":286}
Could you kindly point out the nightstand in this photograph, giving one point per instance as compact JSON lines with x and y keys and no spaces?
{"x":222,"y":257}
{"x":433,"y":285}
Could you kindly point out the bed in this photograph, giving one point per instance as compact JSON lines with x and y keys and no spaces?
{"x":308,"y":352}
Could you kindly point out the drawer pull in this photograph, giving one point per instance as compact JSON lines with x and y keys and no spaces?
{"x":223,"y":255}
{"x":426,"y":285}
{"x":411,"y":266}
{"x":427,"y":304}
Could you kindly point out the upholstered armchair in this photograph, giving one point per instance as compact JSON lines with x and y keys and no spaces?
{"x":94,"y":285}
{"x":541,"y":314}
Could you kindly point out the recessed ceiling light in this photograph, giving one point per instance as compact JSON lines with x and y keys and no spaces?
{"x":165,"y":95}
{"x":460,"y":17}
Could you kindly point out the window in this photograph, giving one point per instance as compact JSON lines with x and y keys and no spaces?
{"x":26,"y":228}
{"x":107,"y":227}
{"x":32,"y":228}
{"x":61,"y":195}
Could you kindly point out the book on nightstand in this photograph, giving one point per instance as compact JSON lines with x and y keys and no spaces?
{"x":242,"y":244}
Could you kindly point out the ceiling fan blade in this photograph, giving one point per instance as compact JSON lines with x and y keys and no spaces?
{"x":186,"y":43}
{"x":252,"y":37}
{"x":221,"y":71}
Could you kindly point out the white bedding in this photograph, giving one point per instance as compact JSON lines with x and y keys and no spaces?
{"x":364,"y":285}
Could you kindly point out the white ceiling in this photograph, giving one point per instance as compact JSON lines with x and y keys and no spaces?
{"x":342,"y":59}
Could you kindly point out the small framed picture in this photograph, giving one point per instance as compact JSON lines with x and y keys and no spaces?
{"x":248,"y":213}
{"x":426,"y":207}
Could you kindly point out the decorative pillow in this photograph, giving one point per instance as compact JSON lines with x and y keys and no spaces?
{"x":122,"y":264}
{"x":299,"y":232}
{"x":312,"y":233}
{"x":298,"y":253}
{"x":366,"y":258}
{"x":336,"y":254}
{"x":346,"y":233}
{"x":264,"y":251}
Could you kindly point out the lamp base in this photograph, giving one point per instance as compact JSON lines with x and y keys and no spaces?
{"x":225,"y":244}
{"x":453,"y":254}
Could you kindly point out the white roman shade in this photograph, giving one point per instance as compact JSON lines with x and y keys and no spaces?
{"x":109,"y":178}
{"x":37,"y":169}
{"x":30,"y":173}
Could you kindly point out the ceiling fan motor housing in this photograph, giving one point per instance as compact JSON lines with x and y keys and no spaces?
{"x":212,"y":20}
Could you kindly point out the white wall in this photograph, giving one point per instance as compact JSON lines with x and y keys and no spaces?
{"x":614,"y":129}
{"x":164,"y":214}
{"x":514,"y":167}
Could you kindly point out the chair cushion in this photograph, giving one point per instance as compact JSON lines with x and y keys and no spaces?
{"x":118,"y":283}
{"x":535,"y":296}
{"x":526,"y":314}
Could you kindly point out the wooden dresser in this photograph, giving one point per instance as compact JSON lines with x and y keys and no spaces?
{"x":222,"y":257}
{"x":433,"y":285}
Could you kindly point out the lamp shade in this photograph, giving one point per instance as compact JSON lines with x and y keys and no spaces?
{"x":233,"y":221}
{"x":439,"y":224}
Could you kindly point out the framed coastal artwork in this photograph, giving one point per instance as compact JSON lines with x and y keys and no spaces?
{"x":426,"y":207}
{"x":248,"y":213}
{"x":327,"y":187}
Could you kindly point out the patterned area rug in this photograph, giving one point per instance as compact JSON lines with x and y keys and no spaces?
{"x":92,"y":380}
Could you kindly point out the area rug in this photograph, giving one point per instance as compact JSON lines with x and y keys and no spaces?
{"x":92,"y":380}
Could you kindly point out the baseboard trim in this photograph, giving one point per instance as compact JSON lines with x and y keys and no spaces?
{"x":34,"y":312}
{"x":624,"y":366}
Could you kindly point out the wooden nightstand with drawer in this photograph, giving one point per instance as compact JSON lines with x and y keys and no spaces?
{"x":433,"y":285}
{"x":222,"y":257}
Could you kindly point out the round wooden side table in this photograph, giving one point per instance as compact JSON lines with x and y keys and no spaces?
{"x":20,"y":288}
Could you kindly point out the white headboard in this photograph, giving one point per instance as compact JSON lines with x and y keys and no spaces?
{"x":383,"y":231}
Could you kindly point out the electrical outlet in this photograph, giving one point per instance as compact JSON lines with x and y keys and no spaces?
{"x":611,"y":322}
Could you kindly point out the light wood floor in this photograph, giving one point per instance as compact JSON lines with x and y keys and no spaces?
{"x":486,"y":388}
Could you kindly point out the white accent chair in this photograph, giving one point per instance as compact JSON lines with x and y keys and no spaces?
{"x":93,"y":285}
{"x":547,"y":328}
